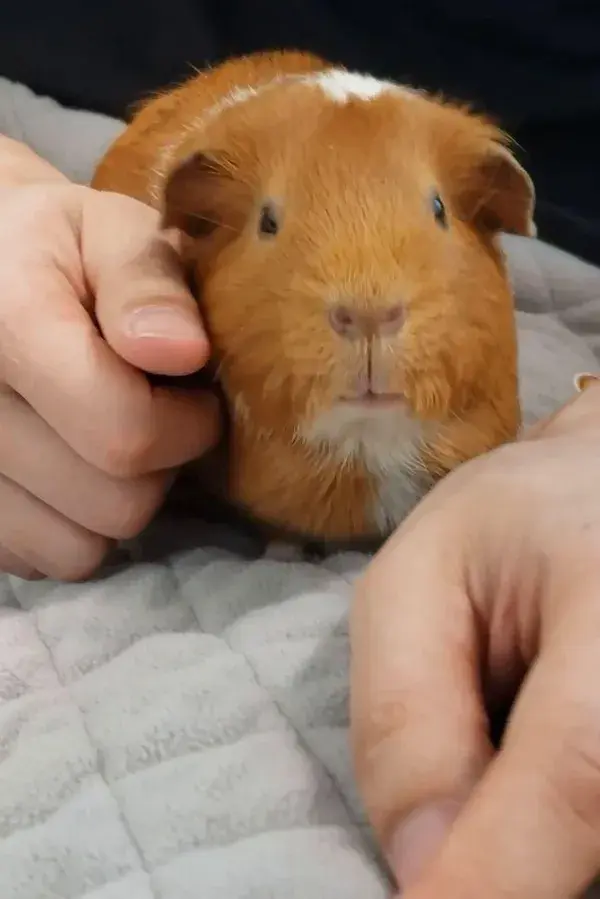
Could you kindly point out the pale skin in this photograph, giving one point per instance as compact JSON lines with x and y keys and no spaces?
{"x":492,"y":584}
{"x":87,"y":448}
{"x":494,"y":578}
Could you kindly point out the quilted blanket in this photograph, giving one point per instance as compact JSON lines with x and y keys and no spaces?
{"x":177,"y":728}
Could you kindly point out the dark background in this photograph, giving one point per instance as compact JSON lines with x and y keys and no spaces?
{"x":534,"y":65}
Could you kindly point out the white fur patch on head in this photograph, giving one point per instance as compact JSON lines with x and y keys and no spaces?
{"x":373,"y":433}
{"x":337,"y":84}
{"x":387,"y":441}
{"x":342,"y":86}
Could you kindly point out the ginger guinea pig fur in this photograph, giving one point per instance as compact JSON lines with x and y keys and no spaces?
{"x":341,"y":232}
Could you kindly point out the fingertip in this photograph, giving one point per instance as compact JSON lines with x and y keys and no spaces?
{"x":144,"y":307}
{"x":161,"y":339}
{"x":163,"y":356}
{"x":169,"y":322}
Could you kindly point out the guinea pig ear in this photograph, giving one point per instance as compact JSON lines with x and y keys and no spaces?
{"x":499,"y":195}
{"x":202,"y":195}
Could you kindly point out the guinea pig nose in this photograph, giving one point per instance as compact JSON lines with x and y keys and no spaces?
{"x":390,"y":320}
{"x":352,"y":323}
{"x":344,"y":321}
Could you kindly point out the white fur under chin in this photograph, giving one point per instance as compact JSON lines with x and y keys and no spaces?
{"x":387,"y":440}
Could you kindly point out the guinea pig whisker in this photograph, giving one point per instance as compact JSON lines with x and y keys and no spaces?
{"x":416,"y":465}
{"x":201,"y":217}
{"x":219,"y":369}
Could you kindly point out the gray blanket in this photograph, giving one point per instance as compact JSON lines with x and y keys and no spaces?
{"x":177,"y":729}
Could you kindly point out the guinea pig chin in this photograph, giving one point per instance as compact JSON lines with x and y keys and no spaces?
{"x":366,"y":413}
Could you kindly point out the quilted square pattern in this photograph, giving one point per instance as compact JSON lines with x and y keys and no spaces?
{"x":180,"y":730}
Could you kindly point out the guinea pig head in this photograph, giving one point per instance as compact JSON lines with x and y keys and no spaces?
{"x":343,"y":233}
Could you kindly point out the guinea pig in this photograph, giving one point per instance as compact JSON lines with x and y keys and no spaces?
{"x":341,"y":233}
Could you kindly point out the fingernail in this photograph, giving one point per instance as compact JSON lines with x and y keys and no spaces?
{"x":584,"y":380}
{"x":418,"y":839}
{"x":163,"y":322}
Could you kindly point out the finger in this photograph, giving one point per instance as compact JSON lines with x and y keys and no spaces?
{"x":143,"y":305}
{"x":180,"y":426}
{"x":52,"y":355}
{"x":22,"y":166}
{"x":113,"y":507}
{"x":43,"y":539}
{"x":532,"y":827}
{"x":11,"y":564}
{"x":419,"y":728}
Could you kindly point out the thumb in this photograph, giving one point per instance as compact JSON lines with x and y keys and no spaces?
{"x":418,"y":721}
{"x":143,"y":306}
{"x":531,"y":828}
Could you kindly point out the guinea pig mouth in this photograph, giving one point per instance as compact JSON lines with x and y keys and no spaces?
{"x":372,"y":399}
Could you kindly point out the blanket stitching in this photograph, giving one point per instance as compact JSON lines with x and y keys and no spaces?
{"x":354,"y":826}
{"x":284,"y":716}
{"x":100,"y":767}
{"x":207,"y":848}
{"x":301,"y":739}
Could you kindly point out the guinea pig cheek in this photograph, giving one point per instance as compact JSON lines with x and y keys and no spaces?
{"x":429,"y":375}
{"x":273,"y":354}
{"x":317,"y":368}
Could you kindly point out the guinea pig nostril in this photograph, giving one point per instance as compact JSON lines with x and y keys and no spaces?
{"x":353,"y":323}
{"x":393,"y":317}
{"x":342,"y":319}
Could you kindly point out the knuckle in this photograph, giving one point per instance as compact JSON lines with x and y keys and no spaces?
{"x":30,"y":574}
{"x":134,"y":509}
{"x":12,"y":565}
{"x":125,"y":454}
{"x":32,"y":205}
{"x":131,"y":210}
{"x":574,"y":776}
{"x":382,"y":724}
{"x":81,"y":560}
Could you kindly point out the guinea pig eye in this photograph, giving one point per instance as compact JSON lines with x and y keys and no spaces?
{"x":439,"y":211}
{"x":268,"y":224}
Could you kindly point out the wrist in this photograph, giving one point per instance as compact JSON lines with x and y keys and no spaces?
{"x":19,"y":165}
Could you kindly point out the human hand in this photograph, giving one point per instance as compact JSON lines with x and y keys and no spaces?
{"x":87,"y":446}
{"x":490,"y":589}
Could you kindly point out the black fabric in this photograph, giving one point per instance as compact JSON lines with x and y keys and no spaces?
{"x":534,"y":64}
